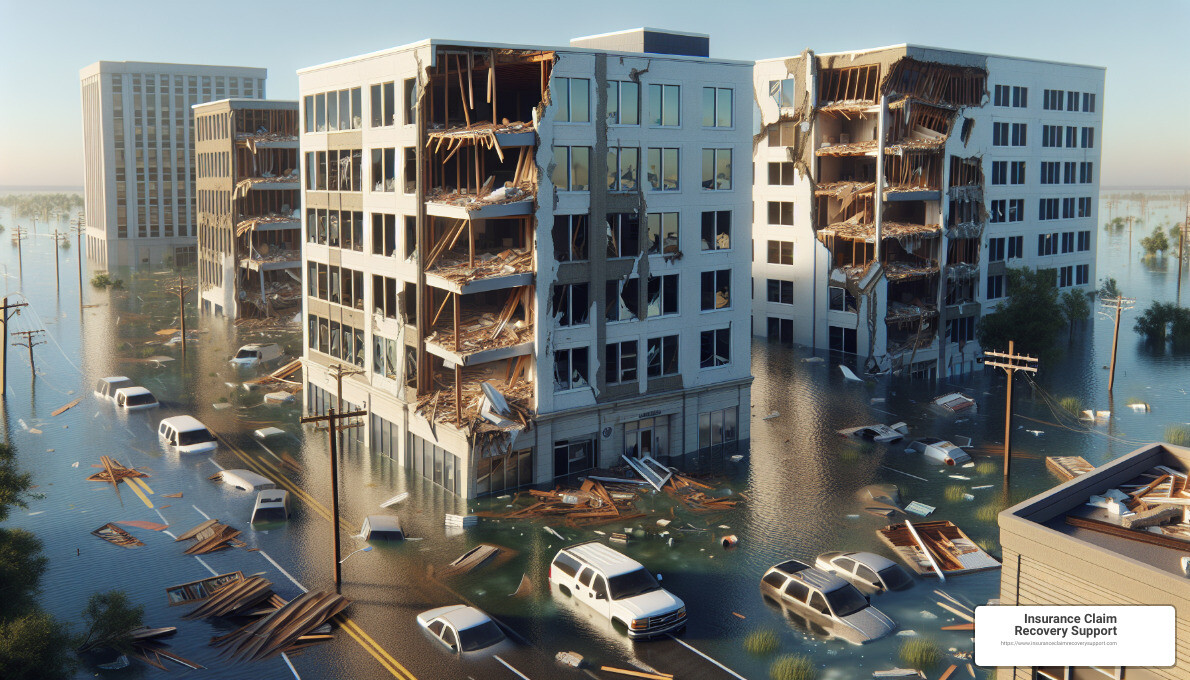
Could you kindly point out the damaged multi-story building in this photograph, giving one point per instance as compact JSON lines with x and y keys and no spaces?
{"x":249,"y":208}
{"x":520,"y":302}
{"x":896,"y":186}
{"x":138,"y":144}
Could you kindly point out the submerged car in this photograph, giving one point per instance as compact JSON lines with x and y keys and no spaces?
{"x":246,"y":480}
{"x":135,"y":399}
{"x":187,"y":434}
{"x":826,"y":600}
{"x":869,"y":572}
{"x":878,"y":432}
{"x":939,"y":451}
{"x":105,"y":388}
{"x":464,"y":630}
{"x":255,"y":354}
{"x":271,"y":506}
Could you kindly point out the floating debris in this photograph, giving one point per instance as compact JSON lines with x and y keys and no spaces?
{"x":114,"y":534}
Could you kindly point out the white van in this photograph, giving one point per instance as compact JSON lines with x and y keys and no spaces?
{"x":246,"y":480}
{"x":187,"y":435}
{"x":382,"y":528}
{"x":617,"y":587}
{"x":252,"y":355}
{"x":271,"y":506}
{"x":106,"y":388}
{"x":135,"y":399}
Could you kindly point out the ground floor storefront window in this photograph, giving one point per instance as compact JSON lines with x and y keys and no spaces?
{"x":504,"y":473}
{"x":434,"y":463}
{"x":718,"y":431}
{"x":572,"y":456}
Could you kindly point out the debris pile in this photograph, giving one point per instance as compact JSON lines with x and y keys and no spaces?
{"x":211,"y":536}
{"x":280,"y":379}
{"x":114,"y":534}
{"x":457,"y":267}
{"x":1152,"y":508}
{"x":113,"y":472}
{"x":936,"y":548}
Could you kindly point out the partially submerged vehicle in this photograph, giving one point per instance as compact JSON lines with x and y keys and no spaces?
{"x":256,"y":354}
{"x":135,"y":398}
{"x":877,"y":433}
{"x":382,"y":528}
{"x":955,"y":402}
{"x":872,"y":574}
{"x":271,"y":506}
{"x":826,"y":600}
{"x":939,"y":451}
{"x":245,"y":480}
{"x":187,"y":434}
{"x":618,"y":588}
{"x":464,"y":630}
{"x":105,"y":388}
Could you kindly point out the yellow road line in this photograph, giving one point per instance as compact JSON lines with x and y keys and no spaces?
{"x":349,"y":624}
{"x":142,"y":483}
{"x":270,"y":469}
{"x":379,"y":655}
{"x":141,"y":494}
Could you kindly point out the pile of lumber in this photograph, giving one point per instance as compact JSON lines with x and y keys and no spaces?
{"x":241,"y":597}
{"x":686,"y":491}
{"x":457,"y":267}
{"x":211,"y":536}
{"x":291,"y":627}
{"x":1068,"y":467}
{"x":113,"y":472}
{"x":114,"y":534}
{"x":281,"y":379}
{"x":589,"y":505}
{"x":439,"y":405}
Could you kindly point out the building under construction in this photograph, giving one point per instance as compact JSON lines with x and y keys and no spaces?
{"x":896,"y":186}
{"x":249,"y":207}
{"x":513,"y":318}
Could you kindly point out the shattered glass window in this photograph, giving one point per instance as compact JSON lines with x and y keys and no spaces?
{"x":621,"y":299}
{"x":570,"y":238}
{"x":623,"y":235}
{"x":716,"y":169}
{"x":663,"y":295}
{"x":716,"y":230}
{"x":715,"y":348}
{"x":571,"y":368}
{"x":663,"y":169}
{"x":623,"y":168}
{"x":662,"y":356}
{"x":621,"y":362}
{"x":716,"y":290}
{"x":571,"y":304}
{"x":662,"y":233}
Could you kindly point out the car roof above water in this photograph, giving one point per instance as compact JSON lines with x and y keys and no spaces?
{"x":608,"y":561}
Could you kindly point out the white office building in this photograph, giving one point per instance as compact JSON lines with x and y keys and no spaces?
{"x":522,"y":303}
{"x":986,"y":163}
{"x":138,"y":142}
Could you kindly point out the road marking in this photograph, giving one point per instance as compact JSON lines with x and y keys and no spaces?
{"x":213,"y":572}
{"x":142,"y":483}
{"x":725,"y":668}
{"x":290,"y":664}
{"x":169,"y":533}
{"x":509,"y":667}
{"x":163,"y":519}
{"x":200,"y":512}
{"x":393,"y":665}
{"x":141,"y":494}
{"x":221,"y":468}
{"x":280,"y":569}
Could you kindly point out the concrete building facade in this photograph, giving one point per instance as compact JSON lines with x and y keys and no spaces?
{"x":1050,"y":559}
{"x":249,"y":207}
{"x":538,"y":256}
{"x":987,"y":163}
{"x":138,"y":148}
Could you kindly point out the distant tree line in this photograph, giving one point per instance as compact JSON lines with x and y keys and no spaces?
{"x":41,"y":205}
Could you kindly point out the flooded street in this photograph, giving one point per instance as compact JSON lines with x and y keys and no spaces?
{"x":798,"y":478}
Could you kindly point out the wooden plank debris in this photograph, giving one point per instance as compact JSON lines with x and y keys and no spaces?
{"x":209,"y":537}
{"x":62,"y":409}
{"x":932,"y":547}
{"x":1068,"y":467}
{"x":289,"y":627}
{"x":197,"y":591}
{"x":114,"y":534}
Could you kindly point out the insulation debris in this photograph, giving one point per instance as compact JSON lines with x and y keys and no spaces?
{"x":525,"y":191}
{"x":244,"y":226}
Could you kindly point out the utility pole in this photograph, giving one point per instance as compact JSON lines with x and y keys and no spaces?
{"x":4,"y":316}
{"x":1011,"y":363}
{"x":1119,"y":304}
{"x":1181,"y":253}
{"x":59,"y":238}
{"x":19,"y":234}
{"x":339,"y":371}
{"x":79,"y":228}
{"x":332,"y":418}
{"x":181,"y":290}
{"x":1130,"y":240}
{"x":29,"y":342}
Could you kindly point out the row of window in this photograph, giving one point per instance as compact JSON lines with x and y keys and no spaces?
{"x":1053,"y":100}
{"x":1010,"y":134}
{"x":1047,"y":208}
{"x":1051,"y":136}
{"x":332,"y":283}
{"x":572,"y":97}
{"x":1069,"y":275}
{"x":572,"y":366}
{"x":1014,"y":96}
{"x":336,"y":339}
{"x":572,"y":301}
{"x":1064,"y":242}
{"x":572,"y":168}
{"x":571,"y":234}
{"x":1069,"y":172}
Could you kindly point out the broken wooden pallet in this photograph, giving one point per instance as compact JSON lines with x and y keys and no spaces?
{"x":114,"y":534}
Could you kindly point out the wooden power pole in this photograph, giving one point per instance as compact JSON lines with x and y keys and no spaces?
{"x":333,"y":426}
{"x":79,"y":227}
{"x":28,"y":339}
{"x":1011,"y":363}
{"x":1119,"y":304}
{"x":181,"y":290}
{"x":59,"y":238}
{"x":5,"y":314}
{"x":19,"y":234}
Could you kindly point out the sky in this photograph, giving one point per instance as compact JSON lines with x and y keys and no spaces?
{"x":43,"y":44}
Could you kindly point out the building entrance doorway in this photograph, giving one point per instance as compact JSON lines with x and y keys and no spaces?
{"x":646,"y":437}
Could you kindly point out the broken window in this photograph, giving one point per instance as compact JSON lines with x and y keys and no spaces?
{"x":384,"y":234}
{"x":716,"y":290}
{"x":716,"y":107}
{"x":780,"y":292}
{"x":384,"y":296}
{"x":780,"y":252}
{"x":410,"y":170}
{"x":623,"y":168}
{"x":410,"y":101}
{"x":715,"y":348}
{"x":571,"y":304}
{"x":570,"y":369}
{"x":573,"y":98}
{"x":623,"y":235}
{"x":623,"y":103}
{"x":570,"y":238}
{"x":622,"y":299}
{"x":410,"y":235}
{"x":333,"y":229}
{"x":572,"y":168}
{"x":781,"y":212}
{"x":663,"y":295}
{"x":716,"y":169}
{"x":716,"y":230}
{"x":662,"y":356}
{"x":662,"y":233}
{"x":663,"y":169}
{"x":621,"y":362}
{"x":407,"y":302}
{"x":781,"y":174}
{"x":665,"y":105}
{"x":782,"y":92}
{"x":574,"y":455}
{"x":997,"y":212}
{"x":842,"y":300}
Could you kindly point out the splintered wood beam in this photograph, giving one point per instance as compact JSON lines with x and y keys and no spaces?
{"x":492,"y":75}
{"x":455,"y":297}
{"x":458,"y":394}
{"x":462,"y":92}
{"x":434,"y":321}
{"x":470,"y":243}
{"x":470,"y":86}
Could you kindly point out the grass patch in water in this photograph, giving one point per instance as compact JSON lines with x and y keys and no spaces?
{"x":985,"y":467}
{"x":954,"y":493}
{"x":761,"y":642}
{"x":1178,"y":435}
{"x":922,"y":653}
{"x":1072,"y":404}
{"x":793,"y":667}
{"x":988,"y":512}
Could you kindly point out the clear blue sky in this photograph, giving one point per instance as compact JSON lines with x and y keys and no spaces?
{"x":44,"y":43}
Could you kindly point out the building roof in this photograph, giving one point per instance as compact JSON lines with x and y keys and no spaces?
{"x":249,"y":103}
{"x":164,"y":67}
{"x":910,"y":49}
